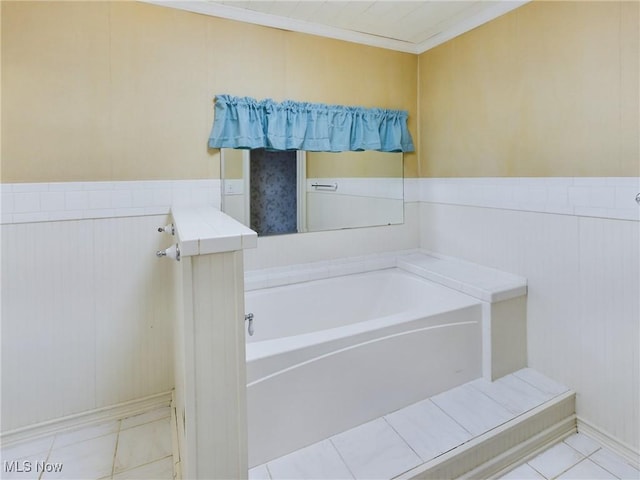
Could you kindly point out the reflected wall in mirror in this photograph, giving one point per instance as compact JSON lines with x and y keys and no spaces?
{"x":293,"y":192}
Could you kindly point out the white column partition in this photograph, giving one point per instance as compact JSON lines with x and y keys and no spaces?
{"x":210,"y":365}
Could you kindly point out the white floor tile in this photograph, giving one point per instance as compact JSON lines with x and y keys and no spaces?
{"x":523,"y":472}
{"x":375,"y":450}
{"x":22,"y":469}
{"x":585,"y":445}
{"x":146,"y":417}
{"x":259,"y":473}
{"x":158,"y":470}
{"x":427,"y":429}
{"x":472,"y":409}
{"x":87,"y":433}
{"x":541,"y":382}
{"x":26,"y":449}
{"x":557,"y":459}
{"x":512,"y":393}
{"x":586,"y":470}
{"x":615,"y":464}
{"x":318,"y":461}
{"x":87,"y":460}
{"x":143,"y":444}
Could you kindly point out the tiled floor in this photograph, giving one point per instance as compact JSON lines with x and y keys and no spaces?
{"x":577,"y":457}
{"x":137,"y":447}
{"x":407,"y":438}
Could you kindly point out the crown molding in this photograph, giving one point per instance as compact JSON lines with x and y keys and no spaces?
{"x":285,"y":23}
{"x":275,"y":21}
{"x":470,"y":23}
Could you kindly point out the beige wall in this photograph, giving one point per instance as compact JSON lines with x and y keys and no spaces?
{"x":124,"y":90}
{"x":550,"y":89}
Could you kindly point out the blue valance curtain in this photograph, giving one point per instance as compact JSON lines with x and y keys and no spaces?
{"x":243,"y":122}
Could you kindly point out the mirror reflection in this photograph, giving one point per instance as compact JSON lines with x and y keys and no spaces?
{"x":282,"y":192}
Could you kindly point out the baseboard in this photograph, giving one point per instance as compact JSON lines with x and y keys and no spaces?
{"x":625,"y":451}
{"x":526,"y":450}
{"x":85,"y":419}
{"x":505,"y":446}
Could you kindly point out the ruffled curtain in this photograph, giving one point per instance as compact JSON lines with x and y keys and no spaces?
{"x":243,"y":122}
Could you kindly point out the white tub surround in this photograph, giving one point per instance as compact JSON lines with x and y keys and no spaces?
{"x":340,"y":348}
{"x":504,"y":307}
{"x":478,"y":430}
{"x":576,"y":241}
{"x":209,"y":343}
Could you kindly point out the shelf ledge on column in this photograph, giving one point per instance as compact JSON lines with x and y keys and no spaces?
{"x":205,"y":230}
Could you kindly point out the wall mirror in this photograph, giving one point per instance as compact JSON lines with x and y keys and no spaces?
{"x":283,"y":192}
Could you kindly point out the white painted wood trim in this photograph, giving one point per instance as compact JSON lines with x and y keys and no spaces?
{"x":295,"y":25}
{"x":60,"y":201}
{"x":599,"y":197}
{"x":621,"y":448}
{"x":504,"y":446}
{"x":301,"y":194}
{"x":85,"y":419}
{"x":284,"y":23}
{"x":214,"y":376}
{"x":485,"y":16}
{"x":246,"y":177}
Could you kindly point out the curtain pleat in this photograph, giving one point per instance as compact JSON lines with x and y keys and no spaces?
{"x":243,"y":122}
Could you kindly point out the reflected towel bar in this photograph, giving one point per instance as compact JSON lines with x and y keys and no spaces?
{"x":333,"y":186}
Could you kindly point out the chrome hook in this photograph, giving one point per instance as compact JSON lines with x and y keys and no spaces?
{"x":170,"y":229}
{"x":172,"y":252}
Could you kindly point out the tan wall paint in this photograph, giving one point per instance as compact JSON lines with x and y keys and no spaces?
{"x":124,"y":90}
{"x":550,"y":89}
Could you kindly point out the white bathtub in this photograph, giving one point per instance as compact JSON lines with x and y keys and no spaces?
{"x":331,"y":354}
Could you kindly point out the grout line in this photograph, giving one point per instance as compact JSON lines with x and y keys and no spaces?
{"x":505,"y":406}
{"x":570,"y":467}
{"x":404,"y":440}
{"x":602,"y":466}
{"x":553,"y":395}
{"x":353,"y":475}
{"x":456,"y":421}
{"x":266,"y":466}
{"x":53,"y":441}
{"x":115,"y":450}
{"x":144,"y":464}
{"x":534,"y":469}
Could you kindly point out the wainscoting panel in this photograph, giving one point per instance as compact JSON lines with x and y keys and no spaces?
{"x":48,"y":332}
{"x":583,"y":312}
{"x":86,"y":321}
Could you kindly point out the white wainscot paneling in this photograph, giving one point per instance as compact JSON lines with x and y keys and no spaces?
{"x":353,"y":202}
{"x":86,"y":321}
{"x":283,"y":250}
{"x":47,"y":340}
{"x":602,"y":197}
{"x":582,"y":309}
{"x":42,"y":202}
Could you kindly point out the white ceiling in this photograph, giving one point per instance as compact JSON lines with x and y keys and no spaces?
{"x":408,"y":26}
